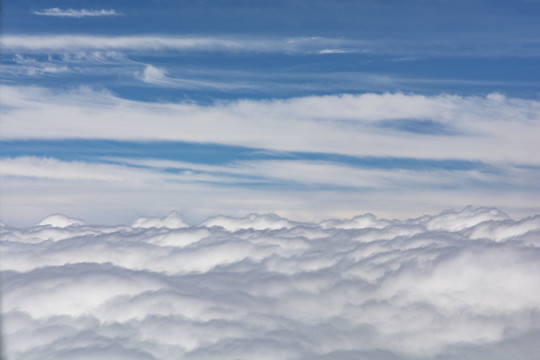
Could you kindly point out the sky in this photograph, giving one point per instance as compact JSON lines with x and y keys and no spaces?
{"x":308,"y":110}
{"x":374,"y":162}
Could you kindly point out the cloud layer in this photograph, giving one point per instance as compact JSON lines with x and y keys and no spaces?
{"x":388,"y":124}
{"x":461,"y":284}
{"x":388,"y":153}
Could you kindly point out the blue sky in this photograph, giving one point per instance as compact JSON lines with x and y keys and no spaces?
{"x":120,"y":109}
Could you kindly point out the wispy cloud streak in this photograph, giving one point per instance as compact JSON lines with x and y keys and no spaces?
{"x":158,"y":76}
{"x":285,"y":45}
{"x":174,"y":43}
{"x":76,"y":13}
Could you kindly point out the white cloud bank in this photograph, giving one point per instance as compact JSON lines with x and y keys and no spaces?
{"x":459,"y":285}
{"x":491,"y":129}
{"x":76,"y":13}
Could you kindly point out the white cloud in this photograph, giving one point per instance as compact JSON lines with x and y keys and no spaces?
{"x":33,"y":67}
{"x":461,"y":284}
{"x":483,"y":129}
{"x":76,"y":13}
{"x":70,"y":43}
{"x":172,"y":221}
{"x":50,"y":168}
{"x":295,"y":45}
{"x":60,"y":221}
{"x":500,"y":132}
{"x":159,"y":77}
{"x":335,"y":51}
{"x":33,"y":187}
{"x":92,"y":62}
{"x":252,"y":221}
{"x":153,"y":74}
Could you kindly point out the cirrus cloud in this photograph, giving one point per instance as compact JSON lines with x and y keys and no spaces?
{"x":346,"y":123}
{"x":76,"y":13}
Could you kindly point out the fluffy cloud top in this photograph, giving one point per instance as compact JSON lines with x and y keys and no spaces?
{"x":457,"y":285}
{"x":172,"y":221}
{"x":60,"y":221}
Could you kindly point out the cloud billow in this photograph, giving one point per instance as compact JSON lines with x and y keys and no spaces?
{"x":461,"y":284}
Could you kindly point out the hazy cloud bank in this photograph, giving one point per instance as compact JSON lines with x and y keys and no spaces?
{"x":461,"y":284}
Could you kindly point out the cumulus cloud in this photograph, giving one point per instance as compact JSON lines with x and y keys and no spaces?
{"x":76,"y":13}
{"x":172,"y":221}
{"x":461,"y":284}
{"x":59,"y":221}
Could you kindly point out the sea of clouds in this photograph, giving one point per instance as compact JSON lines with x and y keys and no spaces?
{"x":458,"y":285}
